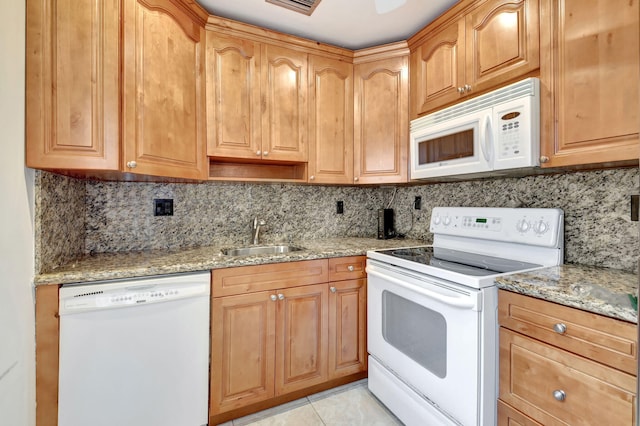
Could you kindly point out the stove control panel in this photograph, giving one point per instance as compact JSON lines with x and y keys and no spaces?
{"x":542,"y":227}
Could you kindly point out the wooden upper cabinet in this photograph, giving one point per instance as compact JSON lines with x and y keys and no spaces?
{"x":330,"y":120}
{"x":502,"y":42}
{"x":257,"y":100}
{"x":284,"y":117}
{"x":72,"y":84}
{"x":381,"y":123}
{"x":589,"y":82}
{"x":484,"y":48}
{"x":163,"y":102}
{"x":437,"y":69}
{"x":233,"y":97}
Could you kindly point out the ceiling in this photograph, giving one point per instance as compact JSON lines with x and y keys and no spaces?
{"x":353,"y":24}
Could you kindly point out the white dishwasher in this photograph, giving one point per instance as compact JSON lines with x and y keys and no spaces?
{"x":135,"y":352}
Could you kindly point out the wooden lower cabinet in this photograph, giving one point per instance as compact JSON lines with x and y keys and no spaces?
{"x":273,"y":342}
{"x":347,"y":327}
{"x":576,"y":377}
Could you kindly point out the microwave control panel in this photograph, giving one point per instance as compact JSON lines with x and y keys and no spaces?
{"x":510,"y":133}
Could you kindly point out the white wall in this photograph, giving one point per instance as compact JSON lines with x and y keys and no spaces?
{"x":17,"y":348}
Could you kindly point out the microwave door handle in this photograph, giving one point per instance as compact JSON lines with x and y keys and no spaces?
{"x":458,"y":302}
{"x":486,"y":139}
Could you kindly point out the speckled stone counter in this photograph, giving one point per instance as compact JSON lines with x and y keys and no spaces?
{"x":602,"y":291}
{"x":108,"y":266}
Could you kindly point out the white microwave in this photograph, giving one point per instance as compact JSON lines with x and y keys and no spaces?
{"x":499,"y":130}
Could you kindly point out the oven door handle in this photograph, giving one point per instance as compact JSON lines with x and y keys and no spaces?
{"x":458,"y":302}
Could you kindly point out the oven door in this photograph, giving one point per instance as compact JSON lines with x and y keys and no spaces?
{"x":427,"y":332}
{"x":459,"y":145}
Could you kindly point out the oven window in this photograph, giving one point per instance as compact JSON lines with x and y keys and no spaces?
{"x":445,"y":148}
{"x":418,"y":332}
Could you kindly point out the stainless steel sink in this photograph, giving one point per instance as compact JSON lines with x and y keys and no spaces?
{"x":258,"y":250}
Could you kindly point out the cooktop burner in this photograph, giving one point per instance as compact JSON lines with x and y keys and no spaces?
{"x":459,"y":261}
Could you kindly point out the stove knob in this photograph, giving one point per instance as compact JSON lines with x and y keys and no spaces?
{"x":446,"y":221}
{"x":436,"y":220}
{"x":523,"y":225}
{"x":540,"y":227}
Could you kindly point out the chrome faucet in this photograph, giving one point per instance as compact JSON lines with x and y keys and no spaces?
{"x":255,"y":230}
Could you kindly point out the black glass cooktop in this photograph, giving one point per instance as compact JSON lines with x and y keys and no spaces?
{"x":459,"y":261}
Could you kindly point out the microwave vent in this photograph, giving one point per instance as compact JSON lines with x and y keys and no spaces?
{"x":521,"y":89}
{"x":305,"y":7}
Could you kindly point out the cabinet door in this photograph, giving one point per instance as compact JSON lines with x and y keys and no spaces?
{"x":242,"y":350}
{"x":163,"y":108}
{"x":347,"y":327}
{"x":233,"y":97}
{"x":556,"y":387}
{"x":330,"y":120}
{"x":502,"y":42}
{"x":437,"y":69}
{"x":73,"y":84}
{"x":284,"y":115}
{"x":381,"y":122}
{"x":589,"y":110}
{"x":301,"y":342}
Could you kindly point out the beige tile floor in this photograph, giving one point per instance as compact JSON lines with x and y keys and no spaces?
{"x":348,"y":405}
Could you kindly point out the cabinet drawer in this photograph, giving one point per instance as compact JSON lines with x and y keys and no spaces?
{"x":606,"y":340}
{"x":533,"y":376}
{"x":249,"y":279}
{"x":347,"y":268}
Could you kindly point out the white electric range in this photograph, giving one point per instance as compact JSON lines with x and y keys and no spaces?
{"x":432,"y":311}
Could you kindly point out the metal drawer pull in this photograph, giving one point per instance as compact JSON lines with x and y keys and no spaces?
{"x":274,"y":297}
{"x":559,"y":328}
{"x":280,"y":296}
{"x":332,"y":289}
{"x":350,"y":268}
{"x":559,"y":395}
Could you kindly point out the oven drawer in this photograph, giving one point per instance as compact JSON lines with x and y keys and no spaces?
{"x":553,"y":386}
{"x":606,"y":340}
{"x":347,"y":268}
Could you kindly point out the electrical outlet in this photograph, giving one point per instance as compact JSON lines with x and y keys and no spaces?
{"x":417,"y":203}
{"x":163,"y":207}
{"x":339,"y":207}
{"x":635,"y":201}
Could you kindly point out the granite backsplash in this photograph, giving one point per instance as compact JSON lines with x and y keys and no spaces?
{"x":76,"y":217}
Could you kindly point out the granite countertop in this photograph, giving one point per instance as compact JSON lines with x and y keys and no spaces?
{"x":603,"y":291}
{"x":106,"y":266}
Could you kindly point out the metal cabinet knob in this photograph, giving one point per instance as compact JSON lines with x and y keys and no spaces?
{"x":332,"y":289}
{"x":544,"y":159}
{"x":350,"y":268}
{"x":559,"y":395}
{"x":274,"y":297}
{"x":265,"y":153}
{"x":312,"y":177}
{"x":461,"y":90}
{"x":280,"y":296}
{"x":132,"y":164}
{"x":559,"y":328}
{"x":258,"y":152}
{"x":467,"y":88}
{"x":355,"y":179}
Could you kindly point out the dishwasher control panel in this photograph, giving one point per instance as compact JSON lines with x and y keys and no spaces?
{"x":122,"y":293}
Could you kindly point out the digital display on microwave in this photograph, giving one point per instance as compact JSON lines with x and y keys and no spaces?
{"x":481,"y":220}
